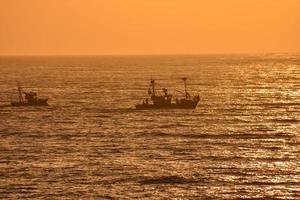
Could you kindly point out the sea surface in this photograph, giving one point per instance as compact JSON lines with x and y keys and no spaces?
{"x":241,"y":142}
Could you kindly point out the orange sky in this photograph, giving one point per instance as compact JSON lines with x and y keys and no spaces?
{"x":59,"y":27}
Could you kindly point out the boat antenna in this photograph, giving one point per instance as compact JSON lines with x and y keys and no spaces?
{"x":20,"y":92}
{"x":185,"y":88}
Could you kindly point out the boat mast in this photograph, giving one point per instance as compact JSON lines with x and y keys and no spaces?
{"x":153,"y":86}
{"x":20,"y":93}
{"x":185,"y":88}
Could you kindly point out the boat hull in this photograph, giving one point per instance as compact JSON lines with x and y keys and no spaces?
{"x":40,"y":102}
{"x":188,"y":105}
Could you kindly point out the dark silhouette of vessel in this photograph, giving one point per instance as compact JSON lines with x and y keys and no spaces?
{"x":165,"y":101}
{"x":31,"y":99}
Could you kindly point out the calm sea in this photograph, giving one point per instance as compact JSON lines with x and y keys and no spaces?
{"x":241,"y":142}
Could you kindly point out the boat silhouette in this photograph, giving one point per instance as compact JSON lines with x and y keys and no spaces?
{"x":30,"y":99}
{"x":165,"y":101}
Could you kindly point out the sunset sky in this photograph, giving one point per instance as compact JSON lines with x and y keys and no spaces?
{"x":81,"y":27}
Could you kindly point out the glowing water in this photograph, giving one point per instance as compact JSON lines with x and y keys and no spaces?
{"x":242,"y":140}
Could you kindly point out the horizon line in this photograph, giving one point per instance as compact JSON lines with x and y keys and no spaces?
{"x":142,"y":54}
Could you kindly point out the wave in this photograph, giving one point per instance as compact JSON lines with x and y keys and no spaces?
{"x":168,"y":180}
{"x":216,"y":136}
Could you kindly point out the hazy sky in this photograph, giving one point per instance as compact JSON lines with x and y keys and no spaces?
{"x":55,"y":27}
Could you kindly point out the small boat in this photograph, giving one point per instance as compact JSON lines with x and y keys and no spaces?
{"x":165,"y":101}
{"x":31,"y":99}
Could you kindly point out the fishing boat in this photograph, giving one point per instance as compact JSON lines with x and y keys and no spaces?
{"x":165,"y":101}
{"x":30,"y":99}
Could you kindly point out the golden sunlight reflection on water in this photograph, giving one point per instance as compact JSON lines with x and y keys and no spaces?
{"x":242,"y":141}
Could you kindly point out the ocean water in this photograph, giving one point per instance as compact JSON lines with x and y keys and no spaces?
{"x":241,"y":142}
